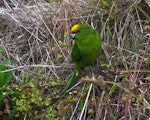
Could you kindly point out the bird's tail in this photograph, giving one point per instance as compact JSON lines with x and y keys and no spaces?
{"x":69,"y":84}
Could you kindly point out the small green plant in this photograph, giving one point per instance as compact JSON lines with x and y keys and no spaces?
{"x":143,"y":11}
{"x":5,"y":77}
{"x":62,"y":43}
{"x":26,"y":98}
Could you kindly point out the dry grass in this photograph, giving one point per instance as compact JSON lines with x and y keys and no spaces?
{"x":33,"y":34}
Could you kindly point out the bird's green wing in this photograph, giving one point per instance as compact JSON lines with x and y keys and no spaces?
{"x":75,"y":54}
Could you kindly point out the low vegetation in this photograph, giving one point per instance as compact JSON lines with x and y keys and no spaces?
{"x":35,"y":62}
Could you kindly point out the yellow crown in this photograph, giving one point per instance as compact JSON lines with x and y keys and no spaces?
{"x":74,"y":28}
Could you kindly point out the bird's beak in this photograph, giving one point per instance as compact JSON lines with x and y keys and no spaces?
{"x":73,"y":35}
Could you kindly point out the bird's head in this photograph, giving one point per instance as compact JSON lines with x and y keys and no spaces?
{"x":74,"y":30}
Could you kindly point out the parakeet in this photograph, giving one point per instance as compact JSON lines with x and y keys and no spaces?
{"x":85,"y":50}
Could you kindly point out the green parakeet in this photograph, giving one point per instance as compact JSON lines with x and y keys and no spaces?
{"x":86,"y":49}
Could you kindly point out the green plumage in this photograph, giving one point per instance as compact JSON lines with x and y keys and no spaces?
{"x":86,"y":49}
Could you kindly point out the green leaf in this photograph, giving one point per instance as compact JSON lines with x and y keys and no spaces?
{"x":148,"y":3}
{"x":1,"y":99}
{"x":143,"y":12}
{"x":5,"y":77}
{"x":59,"y":56}
{"x":1,"y":50}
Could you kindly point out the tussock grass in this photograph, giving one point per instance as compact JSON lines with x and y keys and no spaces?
{"x":36,"y":35}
